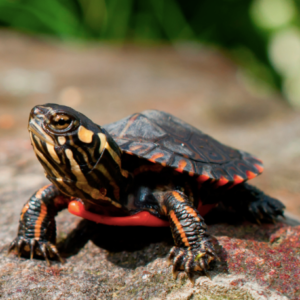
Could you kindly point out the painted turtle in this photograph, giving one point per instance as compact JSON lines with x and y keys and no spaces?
{"x":149,"y":169}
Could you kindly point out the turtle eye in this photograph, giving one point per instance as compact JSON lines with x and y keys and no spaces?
{"x":61,"y":123}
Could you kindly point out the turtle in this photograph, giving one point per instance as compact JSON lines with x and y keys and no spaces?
{"x":148,"y":169}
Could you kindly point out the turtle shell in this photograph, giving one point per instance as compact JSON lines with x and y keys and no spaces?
{"x":164,"y":139}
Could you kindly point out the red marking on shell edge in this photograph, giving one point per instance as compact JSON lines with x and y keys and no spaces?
{"x":222,"y":181}
{"x":259,"y":168}
{"x":143,"y":218}
{"x":181,"y":165}
{"x":250,"y":174}
{"x":155,"y":156}
{"x":237,"y":179}
{"x":202,"y":178}
{"x":191,"y":173}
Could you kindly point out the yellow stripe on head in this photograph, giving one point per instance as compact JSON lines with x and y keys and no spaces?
{"x":103,"y":141}
{"x":82,"y":182}
{"x":37,"y":130}
{"x":117,"y":159}
{"x":52,"y":169}
{"x":50,"y":146}
{"x":52,"y":152}
{"x":105,"y":172}
{"x":61,"y":140}
{"x":85,"y":135}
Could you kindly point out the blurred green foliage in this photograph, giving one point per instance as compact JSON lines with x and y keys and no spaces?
{"x":234,"y":25}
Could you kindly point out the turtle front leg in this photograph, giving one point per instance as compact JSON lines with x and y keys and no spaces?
{"x":193,"y":250}
{"x":37,"y":228}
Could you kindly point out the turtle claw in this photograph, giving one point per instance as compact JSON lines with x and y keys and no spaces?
{"x":11,"y":247}
{"x":191,"y":260}
{"x":55,"y":251}
{"x":192,"y":280}
{"x":210,"y":250}
{"x":175,"y":274}
{"x":206,"y":273}
{"x":43,"y":249}
{"x":17,"y":244}
{"x":20,"y":245}
{"x":34,"y":246}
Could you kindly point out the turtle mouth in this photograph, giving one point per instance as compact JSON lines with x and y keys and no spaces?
{"x":36,"y":130}
{"x":36,"y":121}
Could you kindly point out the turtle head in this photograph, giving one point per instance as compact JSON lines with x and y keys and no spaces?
{"x":59,"y":132}
{"x":69,"y":146}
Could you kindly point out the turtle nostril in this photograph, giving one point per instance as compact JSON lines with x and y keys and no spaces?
{"x":35,"y":111}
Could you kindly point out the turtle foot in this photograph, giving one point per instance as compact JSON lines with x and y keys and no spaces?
{"x":192,"y":260}
{"x":33,"y":246}
{"x":266,"y":209}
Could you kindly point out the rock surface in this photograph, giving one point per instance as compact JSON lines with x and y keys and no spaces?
{"x":102,"y":262}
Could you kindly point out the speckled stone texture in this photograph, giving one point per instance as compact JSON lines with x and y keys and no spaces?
{"x":104,"y":262}
{"x":203,"y":88}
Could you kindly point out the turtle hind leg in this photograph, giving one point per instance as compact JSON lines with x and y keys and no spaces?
{"x":252,"y":204}
{"x":266,"y":209}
